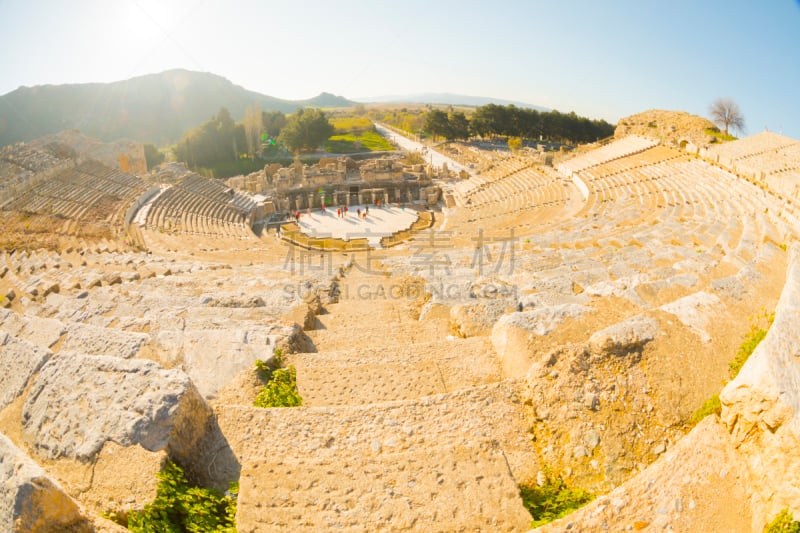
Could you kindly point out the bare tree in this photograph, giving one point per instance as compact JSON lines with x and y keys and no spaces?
{"x":726,"y":113}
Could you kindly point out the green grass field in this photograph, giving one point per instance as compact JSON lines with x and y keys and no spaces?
{"x":350,"y":143}
{"x":344,"y":125}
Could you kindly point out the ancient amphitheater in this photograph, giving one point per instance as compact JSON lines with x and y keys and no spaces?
{"x":565,"y":319}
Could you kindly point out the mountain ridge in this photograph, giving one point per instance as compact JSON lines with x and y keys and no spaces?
{"x":156,"y":108}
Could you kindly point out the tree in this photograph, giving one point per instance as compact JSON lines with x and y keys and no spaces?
{"x":459,"y":126}
{"x":253,"y":123}
{"x":273,"y":122}
{"x":436,"y":124}
{"x":152,"y":156}
{"x":212,"y":143}
{"x":726,"y":114}
{"x":306,"y":129}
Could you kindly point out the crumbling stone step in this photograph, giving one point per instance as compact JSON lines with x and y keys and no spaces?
{"x":343,"y":432}
{"x":458,"y":488}
{"x":377,"y":374}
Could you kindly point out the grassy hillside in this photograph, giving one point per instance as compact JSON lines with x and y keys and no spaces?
{"x":156,"y":108}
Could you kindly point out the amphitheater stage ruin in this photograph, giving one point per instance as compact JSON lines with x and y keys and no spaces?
{"x":377,"y":223}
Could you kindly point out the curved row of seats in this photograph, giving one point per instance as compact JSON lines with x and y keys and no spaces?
{"x":89,"y":191}
{"x":201,"y":206}
{"x":614,"y":150}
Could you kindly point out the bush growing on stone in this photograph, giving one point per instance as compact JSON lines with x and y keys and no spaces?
{"x":180,"y":508}
{"x":710,"y":406}
{"x":552,"y":500}
{"x":784,"y":522}
{"x":280,"y":384}
{"x":280,"y":390}
{"x":751,"y":341}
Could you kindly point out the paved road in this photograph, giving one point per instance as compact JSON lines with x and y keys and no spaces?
{"x":432,"y":156}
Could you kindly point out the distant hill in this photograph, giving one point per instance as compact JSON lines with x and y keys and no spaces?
{"x":156,"y":108}
{"x":447,"y":99}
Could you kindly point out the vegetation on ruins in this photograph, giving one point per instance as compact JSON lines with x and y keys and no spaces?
{"x":783,"y":522}
{"x":514,"y":143}
{"x":179,"y":507}
{"x":280,"y":384}
{"x":719,"y":135}
{"x":305,"y":130}
{"x":413,"y":158}
{"x":758,"y":330}
{"x":709,"y":407}
{"x":726,"y":114}
{"x":552,"y":500}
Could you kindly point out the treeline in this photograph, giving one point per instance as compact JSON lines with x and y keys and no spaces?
{"x":227,"y":148}
{"x":511,"y":121}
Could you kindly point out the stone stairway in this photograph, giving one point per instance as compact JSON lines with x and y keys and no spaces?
{"x":403,"y":428}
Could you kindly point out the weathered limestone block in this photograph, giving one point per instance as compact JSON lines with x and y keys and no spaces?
{"x":477,"y":317}
{"x":512,"y":334}
{"x":761,"y":407}
{"x":123,"y":478}
{"x":42,"y":331}
{"x":30,"y":501}
{"x":624,"y":337}
{"x":79,"y":402}
{"x":694,"y":311}
{"x":213,"y":356}
{"x":303,"y":315}
{"x":93,"y":340}
{"x":19,"y":360}
{"x":700,"y":484}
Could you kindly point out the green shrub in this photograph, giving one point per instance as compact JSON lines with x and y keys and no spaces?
{"x":751,"y":341}
{"x":784,"y":522}
{"x":553,"y":500}
{"x":280,"y":384}
{"x":179,"y":508}
{"x":265,"y":369}
{"x":710,"y":406}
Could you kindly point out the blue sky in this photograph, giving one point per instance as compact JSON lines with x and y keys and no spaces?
{"x":602,"y":59}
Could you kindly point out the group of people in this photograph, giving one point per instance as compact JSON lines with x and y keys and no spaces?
{"x":341,"y":212}
{"x":344,"y":211}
